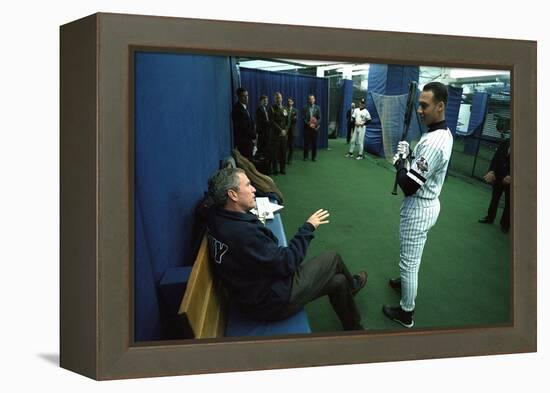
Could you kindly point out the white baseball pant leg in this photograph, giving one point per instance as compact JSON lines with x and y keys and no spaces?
{"x":417,"y":217}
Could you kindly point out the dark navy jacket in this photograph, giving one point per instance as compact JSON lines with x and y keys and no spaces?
{"x":254,"y":269}
{"x":500,"y":164}
{"x":243,"y":130}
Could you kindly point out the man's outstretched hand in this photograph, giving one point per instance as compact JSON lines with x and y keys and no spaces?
{"x":319,"y":218}
{"x":489,"y":177}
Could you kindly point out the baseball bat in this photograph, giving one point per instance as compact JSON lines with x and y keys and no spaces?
{"x":411,"y":98}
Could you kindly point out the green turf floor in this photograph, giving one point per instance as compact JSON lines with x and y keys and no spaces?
{"x":465,"y":271}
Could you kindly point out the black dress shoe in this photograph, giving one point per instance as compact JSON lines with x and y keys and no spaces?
{"x":504,"y":229}
{"x":359,"y":282}
{"x":485,"y":220}
{"x":395,"y":284}
{"x":397,"y":314}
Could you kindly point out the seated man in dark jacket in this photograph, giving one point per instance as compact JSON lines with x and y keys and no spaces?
{"x":269,"y":282}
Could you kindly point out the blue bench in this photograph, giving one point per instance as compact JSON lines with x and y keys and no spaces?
{"x":203,"y":311}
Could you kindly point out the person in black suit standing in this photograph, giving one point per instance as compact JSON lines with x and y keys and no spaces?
{"x":312,"y":122}
{"x":499,"y":177}
{"x":278,"y":115}
{"x":263,"y":127}
{"x":351,"y":121}
{"x":243,"y":126}
{"x":292,"y":119}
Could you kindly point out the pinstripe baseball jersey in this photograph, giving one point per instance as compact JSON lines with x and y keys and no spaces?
{"x":361,"y":116}
{"x":431,"y":159}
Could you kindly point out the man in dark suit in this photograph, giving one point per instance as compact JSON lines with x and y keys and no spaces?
{"x":312,"y":122}
{"x":243,"y":125}
{"x":263,"y":127}
{"x":499,"y":177}
{"x":350,"y":121}
{"x":279,"y":129}
{"x":292,"y":119}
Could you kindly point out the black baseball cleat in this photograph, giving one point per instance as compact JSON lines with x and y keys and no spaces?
{"x":395,"y":284}
{"x":485,"y":220}
{"x":397,"y":314}
{"x":359,"y":282}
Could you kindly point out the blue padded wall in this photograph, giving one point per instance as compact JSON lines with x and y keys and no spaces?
{"x":182,"y":130}
{"x":387,"y":80}
{"x":399,"y":77}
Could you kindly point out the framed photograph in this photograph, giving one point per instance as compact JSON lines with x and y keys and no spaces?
{"x":146,"y":117}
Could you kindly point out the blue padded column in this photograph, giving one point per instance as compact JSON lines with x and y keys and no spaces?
{"x":345,"y":103}
{"x":477,"y":119}
{"x":453,"y":107}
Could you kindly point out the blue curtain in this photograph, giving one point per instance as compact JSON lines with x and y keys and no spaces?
{"x":260,"y":82}
{"x":182,"y":130}
{"x":235,"y":83}
{"x":146,"y":294}
{"x":345,"y":104}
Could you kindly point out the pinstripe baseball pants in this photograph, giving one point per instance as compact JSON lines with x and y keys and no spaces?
{"x":357,"y":139}
{"x":417,"y":217}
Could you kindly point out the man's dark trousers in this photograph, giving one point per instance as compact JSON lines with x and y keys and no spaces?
{"x":350,"y":130}
{"x":325,"y":274}
{"x":278,"y":153}
{"x":310,"y":140}
{"x":498,"y":189}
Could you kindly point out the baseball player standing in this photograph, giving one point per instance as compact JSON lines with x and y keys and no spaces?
{"x":362,"y":117}
{"x":421,"y":180}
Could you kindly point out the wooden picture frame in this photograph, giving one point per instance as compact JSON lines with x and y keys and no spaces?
{"x":97,"y":201}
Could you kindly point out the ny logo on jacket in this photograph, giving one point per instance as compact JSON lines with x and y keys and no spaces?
{"x":218,"y":247}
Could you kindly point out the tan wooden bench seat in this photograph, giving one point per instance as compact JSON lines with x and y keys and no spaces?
{"x":203,"y":308}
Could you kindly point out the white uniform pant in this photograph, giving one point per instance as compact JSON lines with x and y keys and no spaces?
{"x":417,"y":217}
{"x":357,"y":139}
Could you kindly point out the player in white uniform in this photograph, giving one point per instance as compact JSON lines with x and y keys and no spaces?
{"x":421,"y":184}
{"x":362,"y":117}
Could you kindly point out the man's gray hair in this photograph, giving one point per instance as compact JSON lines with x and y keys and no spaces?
{"x":221,"y":182}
